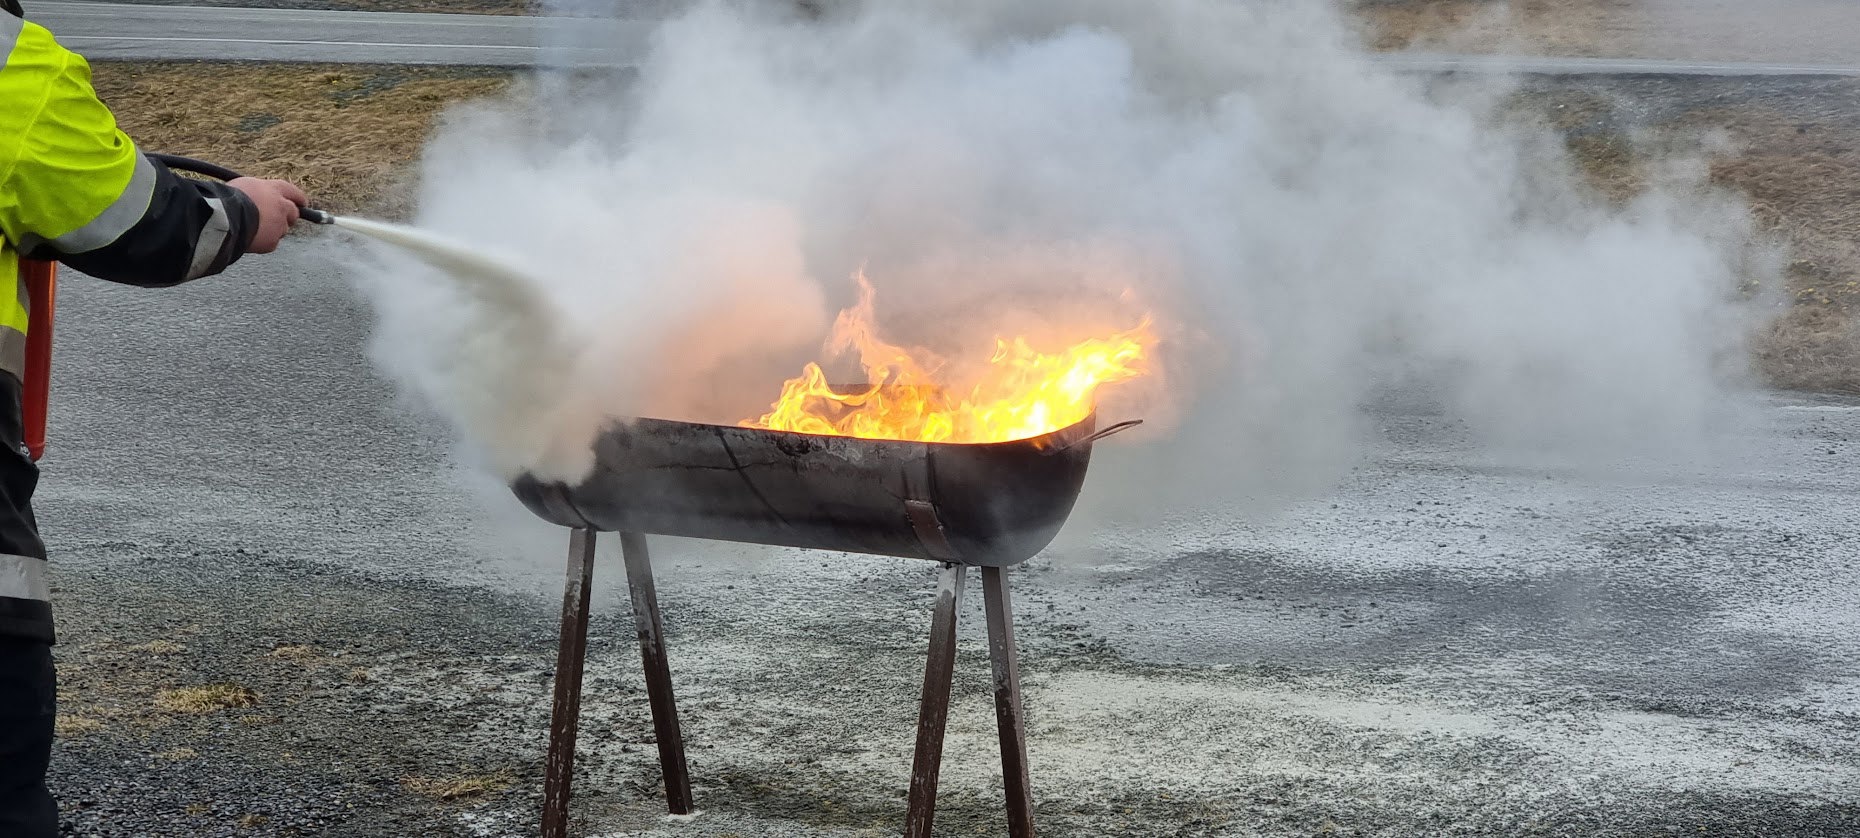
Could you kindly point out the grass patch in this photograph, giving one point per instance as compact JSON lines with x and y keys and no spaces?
{"x":350,"y":133}
{"x":73,"y":726}
{"x":209,"y":698}
{"x":463,"y":787}
{"x":178,"y":754}
{"x":347,"y":134}
{"x":1792,"y":148}
{"x":1550,"y":27}
{"x":157,"y":648}
{"x":299,"y":653}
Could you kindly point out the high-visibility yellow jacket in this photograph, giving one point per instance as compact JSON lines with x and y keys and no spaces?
{"x":73,"y":187}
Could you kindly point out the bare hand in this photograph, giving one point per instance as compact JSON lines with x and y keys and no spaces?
{"x":277,"y":202}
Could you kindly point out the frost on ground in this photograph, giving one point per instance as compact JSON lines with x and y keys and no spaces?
{"x":792,"y":735}
{"x":1454,"y":643}
{"x":1640,"y":654}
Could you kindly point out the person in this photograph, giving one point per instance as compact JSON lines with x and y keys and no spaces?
{"x":75,"y":189}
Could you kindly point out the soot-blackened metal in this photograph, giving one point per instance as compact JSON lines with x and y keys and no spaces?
{"x":989,"y":504}
{"x":992,"y":505}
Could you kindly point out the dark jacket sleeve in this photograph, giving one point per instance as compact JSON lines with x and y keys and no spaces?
{"x":192,"y":229}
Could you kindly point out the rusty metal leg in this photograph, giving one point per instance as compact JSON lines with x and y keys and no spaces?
{"x":1007,"y":701}
{"x":571,"y":655}
{"x":658,"y":673}
{"x":933,"y":712}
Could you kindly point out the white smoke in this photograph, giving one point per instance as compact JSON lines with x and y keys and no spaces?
{"x":1310,"y":229}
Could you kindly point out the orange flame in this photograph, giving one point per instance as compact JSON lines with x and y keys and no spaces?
{"x":1020,"y":393}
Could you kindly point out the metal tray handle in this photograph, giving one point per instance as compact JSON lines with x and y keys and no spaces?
{"x":1117,"y":428}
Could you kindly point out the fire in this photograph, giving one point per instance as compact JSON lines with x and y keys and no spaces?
{"x":1021,"y":392}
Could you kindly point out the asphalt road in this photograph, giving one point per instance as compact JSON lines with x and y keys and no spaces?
{"x":1449,"y":643}
{"x":133,"y":31}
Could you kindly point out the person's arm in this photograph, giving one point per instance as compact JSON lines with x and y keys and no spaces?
{"x":83,"y":194}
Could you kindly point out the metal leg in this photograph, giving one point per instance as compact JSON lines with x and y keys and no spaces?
{"x":1007,"y":701}
{"x":571,"y":655}
{"x":933,"y":712}
{"x":658,"y":673}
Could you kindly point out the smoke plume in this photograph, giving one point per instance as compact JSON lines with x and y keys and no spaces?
{"x":1310,"y":231}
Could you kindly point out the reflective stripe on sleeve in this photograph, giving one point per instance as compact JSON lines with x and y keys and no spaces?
{"x":10,"y":27}
{"x":118,"y":217}
{"x":211,"y":237}
{"x":23,"y":577}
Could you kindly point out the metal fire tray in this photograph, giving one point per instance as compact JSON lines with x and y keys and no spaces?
{"x":993,"y":505}
{"x":983,"y":504}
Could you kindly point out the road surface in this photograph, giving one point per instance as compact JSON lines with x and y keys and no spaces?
{"x":1446,"y":644}
{"x":133,"y":31}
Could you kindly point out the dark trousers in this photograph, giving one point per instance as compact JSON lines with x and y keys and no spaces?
{"x":28,"y":702}
{"x":28,"y":706}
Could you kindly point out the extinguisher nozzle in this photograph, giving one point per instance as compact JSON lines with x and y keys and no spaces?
{"x":315,"y":216}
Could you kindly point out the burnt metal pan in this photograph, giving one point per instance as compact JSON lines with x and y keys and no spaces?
{"x":986,"y":504}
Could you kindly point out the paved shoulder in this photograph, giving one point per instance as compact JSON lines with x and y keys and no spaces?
{"x":126,"y":31}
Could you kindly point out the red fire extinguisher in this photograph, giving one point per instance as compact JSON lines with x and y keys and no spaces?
{"x":41,"y":281}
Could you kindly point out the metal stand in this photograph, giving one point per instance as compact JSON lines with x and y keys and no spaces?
{"x":571,"y":660}
{"x":1008,"y":716}
{"x":932,"y":714}
{"x":658,"y":673}
{"x":571,"y":656}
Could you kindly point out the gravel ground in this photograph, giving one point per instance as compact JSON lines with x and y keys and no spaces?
{"x":1451,"y":643}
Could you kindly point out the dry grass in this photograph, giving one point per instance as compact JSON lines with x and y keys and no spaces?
{"x":1797,"y":31}
{"x":178,"y":754}
{"x":72,"y":726}
{"x":209,"y":698}
{"x":346,"y":134}
{"x":1559,"y":27}
{"x":1794,"y":152}
{"x":464,"y":787}
{"x":1803,"y":179}
{"x":158,"y":648}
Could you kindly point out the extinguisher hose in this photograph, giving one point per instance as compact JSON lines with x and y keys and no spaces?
{"x":41,"y":282}
{"x":219,"y":172}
